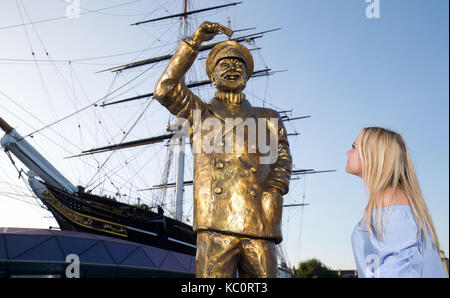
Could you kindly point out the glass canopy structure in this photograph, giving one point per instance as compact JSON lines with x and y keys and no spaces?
{"x":44,"y":253}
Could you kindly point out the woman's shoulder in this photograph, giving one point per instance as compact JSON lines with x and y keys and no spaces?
{"x":389,"y":199}
{"x":401,"y":227}
{"x":397,"y":211}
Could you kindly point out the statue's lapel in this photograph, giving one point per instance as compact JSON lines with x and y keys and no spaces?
{"x":217,"y":107}
{"x":244,"y":111}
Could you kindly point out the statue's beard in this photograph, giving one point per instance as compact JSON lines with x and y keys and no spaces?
{"x":236,"y":86}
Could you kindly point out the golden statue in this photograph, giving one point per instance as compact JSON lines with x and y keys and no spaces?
{"x":237,"y":198}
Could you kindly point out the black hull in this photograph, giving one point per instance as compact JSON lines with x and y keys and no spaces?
{"x":100,"y":215}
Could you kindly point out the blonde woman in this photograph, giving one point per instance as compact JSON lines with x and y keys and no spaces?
{"x":396,"y":236}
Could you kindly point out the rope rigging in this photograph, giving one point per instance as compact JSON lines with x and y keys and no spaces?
{"x":101,"y":167}
{"x":65,"y":17}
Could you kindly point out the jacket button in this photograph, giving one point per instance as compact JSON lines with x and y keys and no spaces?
{"x":219,"y":165}
{"x":253,"y":170}
{"x":218,"y":190}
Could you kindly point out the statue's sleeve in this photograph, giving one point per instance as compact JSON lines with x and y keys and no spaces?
{"x":170,"y":89}
{"x":280,"y":172}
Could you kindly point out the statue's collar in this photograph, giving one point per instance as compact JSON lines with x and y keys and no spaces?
{"x":244,"y":111}
{"x":229,"y":97}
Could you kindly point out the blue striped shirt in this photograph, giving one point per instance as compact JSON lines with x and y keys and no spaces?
{"x":399,"y":252}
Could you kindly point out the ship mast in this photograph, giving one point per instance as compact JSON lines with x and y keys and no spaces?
{"x":181,"y":145}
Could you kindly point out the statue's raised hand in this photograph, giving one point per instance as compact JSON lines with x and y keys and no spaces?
{"x":206,"y":31}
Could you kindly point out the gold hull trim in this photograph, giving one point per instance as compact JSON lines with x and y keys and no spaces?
{"x":104,"y":207}
{"x":85,"y":220}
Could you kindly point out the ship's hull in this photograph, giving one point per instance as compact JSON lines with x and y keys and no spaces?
{"x":104,"y":216}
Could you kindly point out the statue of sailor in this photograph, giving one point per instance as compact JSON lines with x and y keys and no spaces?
{"x":238,"y":188}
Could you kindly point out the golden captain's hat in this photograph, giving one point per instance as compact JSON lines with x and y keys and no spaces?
{"x":229,"y":49}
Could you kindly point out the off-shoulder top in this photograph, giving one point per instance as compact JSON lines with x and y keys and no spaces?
{"x":399,"y":252}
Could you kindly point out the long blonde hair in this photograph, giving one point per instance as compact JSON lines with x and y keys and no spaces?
{"x":386,"y":163}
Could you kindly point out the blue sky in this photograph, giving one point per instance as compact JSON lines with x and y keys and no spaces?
{"x":345,"y":70}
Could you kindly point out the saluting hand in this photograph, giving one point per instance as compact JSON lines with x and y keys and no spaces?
{"x":206,"y":31}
